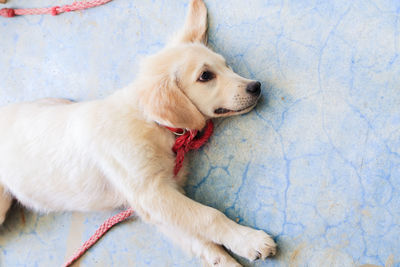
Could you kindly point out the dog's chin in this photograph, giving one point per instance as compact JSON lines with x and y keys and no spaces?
{"x":224,"y":112}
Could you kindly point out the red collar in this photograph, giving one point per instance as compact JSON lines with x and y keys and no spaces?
{"x":176,"y":131}
{"x":188,"y":140}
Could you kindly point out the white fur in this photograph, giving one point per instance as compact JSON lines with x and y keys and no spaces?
{"x":56,"y":155}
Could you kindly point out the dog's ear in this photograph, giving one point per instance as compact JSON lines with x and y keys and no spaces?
{"x":195,"y":29}
{"x":165,"y":103}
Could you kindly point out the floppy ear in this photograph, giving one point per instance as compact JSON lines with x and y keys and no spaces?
{"x":195,"y":29}
{"x":165,"y":103}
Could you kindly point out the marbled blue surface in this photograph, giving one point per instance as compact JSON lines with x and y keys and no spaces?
{"x":316,"y":164}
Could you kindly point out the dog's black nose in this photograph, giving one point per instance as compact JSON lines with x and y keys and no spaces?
{"x":254,"y":88}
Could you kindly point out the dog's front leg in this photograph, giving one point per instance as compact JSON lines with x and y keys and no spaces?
{"x":210,"y":253}
{"x":162,"y":204}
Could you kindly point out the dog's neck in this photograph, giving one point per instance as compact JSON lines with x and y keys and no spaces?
{"x":129,"y":101}
{"x":189,"y":140}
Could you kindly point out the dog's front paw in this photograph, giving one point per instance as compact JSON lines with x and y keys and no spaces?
{"x":215,"y":256}
{"x":255,"y":244}
{"x":221,"y":262}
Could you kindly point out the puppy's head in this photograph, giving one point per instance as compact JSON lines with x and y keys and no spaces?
{"x":188,"y":83}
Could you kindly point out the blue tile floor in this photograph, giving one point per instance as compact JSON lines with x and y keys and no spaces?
{"x":316,"y":164}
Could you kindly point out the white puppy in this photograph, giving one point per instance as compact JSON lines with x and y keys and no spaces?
{"x":56,"y":155}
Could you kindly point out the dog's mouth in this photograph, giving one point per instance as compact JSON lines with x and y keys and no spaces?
{"x":221,"y":111}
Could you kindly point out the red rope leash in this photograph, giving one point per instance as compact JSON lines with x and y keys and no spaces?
{"x":99,"y":233}
{"x":10,"y":12}
{"x":187,"y":140}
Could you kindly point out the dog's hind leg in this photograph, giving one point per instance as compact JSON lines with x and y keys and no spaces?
{"x":5,"y":203}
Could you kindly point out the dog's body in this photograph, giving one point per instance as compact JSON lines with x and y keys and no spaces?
{"x":56,"y":155}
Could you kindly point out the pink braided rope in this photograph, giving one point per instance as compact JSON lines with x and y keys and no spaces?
{"x":9,"y":12}
{"x":99,"y":233}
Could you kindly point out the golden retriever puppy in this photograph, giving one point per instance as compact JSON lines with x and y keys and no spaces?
{"x":56,"y":155}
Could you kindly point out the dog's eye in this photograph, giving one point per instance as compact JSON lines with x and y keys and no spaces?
{"x":206,"y":76}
